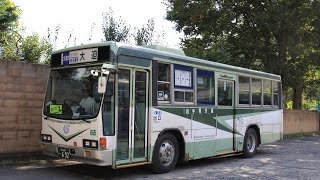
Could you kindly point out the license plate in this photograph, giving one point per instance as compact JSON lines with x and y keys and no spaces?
{"x":64,"y":152}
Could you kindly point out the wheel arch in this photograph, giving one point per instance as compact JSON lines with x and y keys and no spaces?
{"x":257,"y":129}
{"x":178,"y":135}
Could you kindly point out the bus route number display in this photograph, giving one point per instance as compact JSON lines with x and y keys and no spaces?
{"x":79,"y":56}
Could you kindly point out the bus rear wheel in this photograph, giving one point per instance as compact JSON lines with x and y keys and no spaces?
{"x":165,"y":153}
{"x":250,"y":143}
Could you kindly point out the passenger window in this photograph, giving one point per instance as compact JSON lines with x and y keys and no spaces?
{"x":183,"y":84}
{"x":256,"y":91}
{"x":266,"y":92}
{"x":275,"y":93}
{"x":205,"y":87}
{"x":163,"y":92}
{"x":225,"y":93}
{"x":244,"y":90}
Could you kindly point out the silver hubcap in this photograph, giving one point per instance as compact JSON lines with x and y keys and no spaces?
{"x":251,"y":143}
{"x":166,"y":153}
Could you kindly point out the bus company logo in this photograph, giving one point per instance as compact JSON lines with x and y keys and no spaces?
{"x":70,"y":58}
{"x":66,"y":128}
{"x":65,"y":58}
{"x":157,"y":115}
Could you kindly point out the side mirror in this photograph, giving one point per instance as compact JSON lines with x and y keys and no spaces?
{"x":102,"y":83}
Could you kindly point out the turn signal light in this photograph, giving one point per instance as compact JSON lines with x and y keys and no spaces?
{"x":103,"y":143}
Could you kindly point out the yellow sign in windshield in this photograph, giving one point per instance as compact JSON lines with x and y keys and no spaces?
{"x":55,"y":109}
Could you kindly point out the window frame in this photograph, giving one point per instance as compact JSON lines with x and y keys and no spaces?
{"x":232,"y":92}
{"x":165,"y":82}
{"x":273,"y":93}
{"x":249,"y":91}
{"x":211,"y":76}
{"x":177,"y":88}
{"x":264,"y":92}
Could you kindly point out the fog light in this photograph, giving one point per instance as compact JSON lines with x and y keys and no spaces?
{"x":87,"y":153}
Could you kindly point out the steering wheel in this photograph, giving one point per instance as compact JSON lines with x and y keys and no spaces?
{"x":69,"y":103}
{"x":72,"y":102}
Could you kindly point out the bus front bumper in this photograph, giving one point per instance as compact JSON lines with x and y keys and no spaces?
{"x":88,"y":156}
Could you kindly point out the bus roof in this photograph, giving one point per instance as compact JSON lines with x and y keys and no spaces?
{"x":169,"y":56}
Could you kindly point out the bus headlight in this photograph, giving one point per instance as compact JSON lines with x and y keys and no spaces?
{"x":87,"y":143}
{"x":46,"y":138}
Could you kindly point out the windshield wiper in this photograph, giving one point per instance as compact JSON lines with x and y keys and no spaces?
{"x":84,"y":120}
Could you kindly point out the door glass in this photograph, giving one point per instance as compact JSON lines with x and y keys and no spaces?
{"x":123,"y":114}
{"x":225,"y":93}
{"x":108,"y":108}
{"x":140,"y":114}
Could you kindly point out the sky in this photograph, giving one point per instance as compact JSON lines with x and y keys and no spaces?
{"x":80,"y":16}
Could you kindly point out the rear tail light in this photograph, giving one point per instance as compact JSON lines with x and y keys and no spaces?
{"x":46,"y":138}
{"x":103,"y":143}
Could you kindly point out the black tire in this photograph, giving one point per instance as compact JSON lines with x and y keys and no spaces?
{"x":166,"y":143}
{"x":250,"y":143}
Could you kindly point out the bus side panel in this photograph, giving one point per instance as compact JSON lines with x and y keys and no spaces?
{"x":268,"y":122}
{"x":161,"y":120}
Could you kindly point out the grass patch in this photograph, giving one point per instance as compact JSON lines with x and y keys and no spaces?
{"x":300,"y":135}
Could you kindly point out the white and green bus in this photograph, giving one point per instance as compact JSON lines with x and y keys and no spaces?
{"x":111,"y":104}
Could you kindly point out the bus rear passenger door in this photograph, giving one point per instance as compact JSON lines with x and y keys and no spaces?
{"x":225,"y":140}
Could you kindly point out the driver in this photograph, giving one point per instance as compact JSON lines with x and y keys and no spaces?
{"x":87,"y":102}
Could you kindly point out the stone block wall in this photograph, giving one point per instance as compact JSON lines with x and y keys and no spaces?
{"x":22,"y":88}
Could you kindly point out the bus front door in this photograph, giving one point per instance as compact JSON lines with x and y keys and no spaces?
{"x":132,"y":116}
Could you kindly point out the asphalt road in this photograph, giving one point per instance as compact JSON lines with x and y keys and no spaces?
{"x":297,"y":158}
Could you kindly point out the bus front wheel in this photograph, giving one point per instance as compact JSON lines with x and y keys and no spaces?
{"x":165,"y":153}
{"x":250,"y":143}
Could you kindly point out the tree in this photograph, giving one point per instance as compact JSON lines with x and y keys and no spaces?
{"x":282,"y":36}
{"x":9,"y":14}
{"x":145,"y":35}
{"x":35,"y":49}
{"x":115,"y":30}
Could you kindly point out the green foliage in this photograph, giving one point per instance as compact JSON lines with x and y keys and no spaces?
{"x":32,"y":49}
{"x":280,"y":37}
{"x":36,"y":49}
{"x":218,"y":51}
{"x":312,"y":85}
{"x":115,"y":30}
{"x":9,"y":14}
{"x":144,"y":35}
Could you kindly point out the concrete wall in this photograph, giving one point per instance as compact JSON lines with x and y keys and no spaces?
{"x":22,"y":88}
{"x":298,"y":121}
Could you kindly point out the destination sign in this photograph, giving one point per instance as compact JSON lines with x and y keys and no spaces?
{"x":79,"y":56}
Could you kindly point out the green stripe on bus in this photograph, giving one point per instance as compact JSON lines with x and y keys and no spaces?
{"x":213,"y":117}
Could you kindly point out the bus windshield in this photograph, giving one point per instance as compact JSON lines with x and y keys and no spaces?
{"x":72,"y":94}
